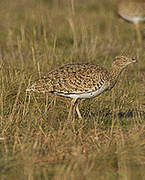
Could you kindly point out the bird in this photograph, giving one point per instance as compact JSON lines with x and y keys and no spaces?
{"x":81,"y":81}
{"x":132,"y":11}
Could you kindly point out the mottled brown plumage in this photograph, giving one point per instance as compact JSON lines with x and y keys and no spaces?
{"x":132,"y":11}
{"x":81,"y":81}
{"x":72,"y":78}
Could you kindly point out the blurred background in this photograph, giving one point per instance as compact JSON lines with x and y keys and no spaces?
{"x":37,"y":36}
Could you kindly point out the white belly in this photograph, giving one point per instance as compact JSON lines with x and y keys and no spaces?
{"x":134,"y":19}
{"x":85,"y":95}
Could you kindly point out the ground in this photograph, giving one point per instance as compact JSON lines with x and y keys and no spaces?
{"x":36,"y":140}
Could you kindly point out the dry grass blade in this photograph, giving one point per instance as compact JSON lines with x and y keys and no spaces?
{"x":36,"y":139}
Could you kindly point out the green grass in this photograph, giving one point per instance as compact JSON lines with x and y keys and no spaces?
{"x":37,"y":141}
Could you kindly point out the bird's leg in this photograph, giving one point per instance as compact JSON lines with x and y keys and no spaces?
{"x":139,"y":38}
{"x":71,"y":108}
{"x":78,"y":111}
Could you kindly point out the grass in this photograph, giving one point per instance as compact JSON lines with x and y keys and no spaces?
{"x":36,"y":141}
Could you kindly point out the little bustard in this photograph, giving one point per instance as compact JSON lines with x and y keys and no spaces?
{"x":132,"y":11}
{"x":81,"y":81}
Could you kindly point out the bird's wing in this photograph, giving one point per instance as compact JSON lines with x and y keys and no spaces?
{"x":73,"y":78}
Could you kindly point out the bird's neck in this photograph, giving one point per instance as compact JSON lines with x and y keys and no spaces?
{"x":115,"y":73}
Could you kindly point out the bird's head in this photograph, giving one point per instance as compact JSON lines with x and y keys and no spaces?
{"x":122,"y":61}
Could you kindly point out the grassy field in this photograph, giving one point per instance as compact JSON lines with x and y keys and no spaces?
{"x":36,"y":140}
